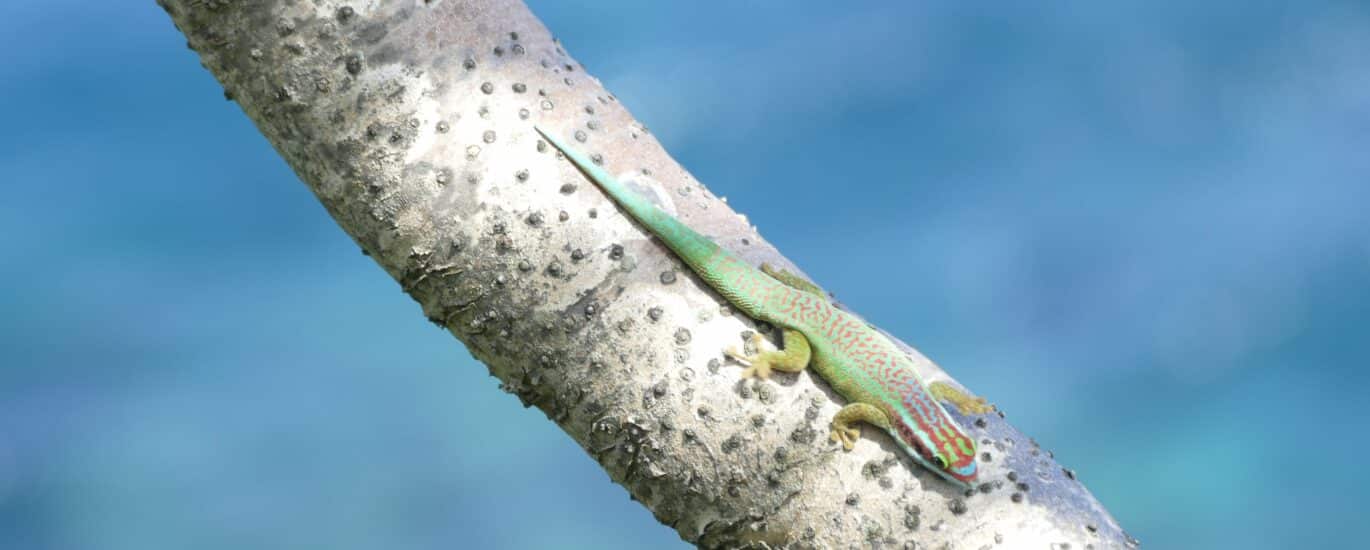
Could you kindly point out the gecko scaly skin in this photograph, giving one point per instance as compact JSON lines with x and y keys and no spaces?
{"x":863,"y":365}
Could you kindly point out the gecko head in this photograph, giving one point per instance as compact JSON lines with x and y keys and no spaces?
{"x":959,"y":467}
{"x":938,"y":446}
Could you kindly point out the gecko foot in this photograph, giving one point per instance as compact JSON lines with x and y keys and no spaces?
{"x":846,"y":423}
{"x":757,"y":365}
{"x":760,"y":370}
{"x":847,"y":436}
{"x":793,"y":358}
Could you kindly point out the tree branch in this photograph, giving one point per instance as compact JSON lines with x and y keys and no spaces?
{"x":412,"y":122}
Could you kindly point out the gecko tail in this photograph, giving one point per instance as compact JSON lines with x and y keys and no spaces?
{"x":696,"y":249}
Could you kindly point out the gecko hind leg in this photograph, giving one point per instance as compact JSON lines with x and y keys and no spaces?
{"x":793,"y":281}
{"x":963,"y":401}
{"x":843,"y":429}
{"x":792,"y":358}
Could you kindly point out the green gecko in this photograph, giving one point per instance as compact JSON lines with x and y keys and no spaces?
{"x":864,"y":366}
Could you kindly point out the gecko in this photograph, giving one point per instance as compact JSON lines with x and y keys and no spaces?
{"x":862,"y":364}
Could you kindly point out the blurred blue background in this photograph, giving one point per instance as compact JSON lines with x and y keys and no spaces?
{"x":1139,"y":228}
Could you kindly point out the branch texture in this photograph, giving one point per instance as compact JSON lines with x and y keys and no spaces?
{"x":412,"y":122}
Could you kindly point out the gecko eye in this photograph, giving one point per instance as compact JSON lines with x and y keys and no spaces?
{"x":941,"y":461}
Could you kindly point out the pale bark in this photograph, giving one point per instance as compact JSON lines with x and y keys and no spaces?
{"x":412,"y":122}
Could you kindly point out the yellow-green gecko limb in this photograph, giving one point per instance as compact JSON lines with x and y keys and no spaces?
{"x":863,"y":365}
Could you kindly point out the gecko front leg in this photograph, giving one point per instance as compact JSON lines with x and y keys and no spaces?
{"x":963,"y":401}
{"x":845,"y":431}
{"x":792,"y":358}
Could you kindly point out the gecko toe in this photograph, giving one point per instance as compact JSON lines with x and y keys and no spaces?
{"x":757,"y":340}
{"x":846,"y":436}
{"x":758,"y":369}
{"x":736,"y":355}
